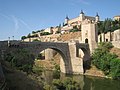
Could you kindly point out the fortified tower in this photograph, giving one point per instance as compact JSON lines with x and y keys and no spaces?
{"x":66,"y":20}
{"x":89,"y":34}
{"x":97,"y":18}
{"x":82,"y":16}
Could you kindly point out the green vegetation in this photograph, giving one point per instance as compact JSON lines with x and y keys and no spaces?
{"x":67,"y":84}
{"x":29,"y":36}
{"x":108,"y":26}
{"x":34,"y":32}
{"x":37,"y":70}
{"x":45,"y":33}
{"x":20,"y":59}
{"x":56,"y":72}
{"x":75,"y":29}
{"x":23,"y":37}
{"x":105,"y":61}
{"x":36,"y":40}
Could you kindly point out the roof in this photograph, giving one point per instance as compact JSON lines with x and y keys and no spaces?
{"x":117,"y":16}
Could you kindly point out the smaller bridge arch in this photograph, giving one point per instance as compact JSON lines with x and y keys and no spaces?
{"x":86,"y":58}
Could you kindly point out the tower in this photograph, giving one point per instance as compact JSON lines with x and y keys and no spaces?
{"x":66,"y":20}
{"x":82,"y":16}
{"x":97,"y":18}
{"x":89,"y":34}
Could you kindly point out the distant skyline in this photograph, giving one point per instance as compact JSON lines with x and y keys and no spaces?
{"x":21,"y":17}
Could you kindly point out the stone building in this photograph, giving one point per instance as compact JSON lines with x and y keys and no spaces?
{"x":48,"y":30}
{"x":116,"y":17}
{"x":70,"y":23}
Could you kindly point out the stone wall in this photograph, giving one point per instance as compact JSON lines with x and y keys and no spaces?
{"x":116,"y":44}
{"x":110,"y":36}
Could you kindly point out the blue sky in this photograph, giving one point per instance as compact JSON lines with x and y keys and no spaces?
{"x":20,"y":17}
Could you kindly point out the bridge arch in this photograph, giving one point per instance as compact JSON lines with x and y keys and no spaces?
{"x":53,"y":48}
{"x":65,"y":67}
{"x":84,"y":53}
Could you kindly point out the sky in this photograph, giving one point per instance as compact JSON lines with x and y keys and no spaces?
{"x":21,"y":17}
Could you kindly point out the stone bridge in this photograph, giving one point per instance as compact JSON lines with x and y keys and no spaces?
{"x":70,"y":63}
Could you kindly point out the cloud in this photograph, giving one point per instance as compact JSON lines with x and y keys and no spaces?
{"x":5,"y":16}
{"x":84,"y":2}
{"x":13,"y":19}
{"x":25,"y":24}
{"x":16,"y":23}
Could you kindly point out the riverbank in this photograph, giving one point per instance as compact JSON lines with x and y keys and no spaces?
{"x":93,"y":71}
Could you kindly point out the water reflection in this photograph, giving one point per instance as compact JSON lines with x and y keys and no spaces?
{"x":86,"y":82}
{"x":97,"y":83}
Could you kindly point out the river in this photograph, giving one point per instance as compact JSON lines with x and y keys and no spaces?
{"x":87,"y":82}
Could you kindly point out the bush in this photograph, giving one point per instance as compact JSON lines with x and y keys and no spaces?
{"x":58,"y":84}
{"x":35,"y":40}
{"x":56,"y":72}
{"x":67,"y":84}
{"x":37,"y":70}
{"x":115,"y":68}
{"x":47,"y":87}
{"x":106,"y":61}
{"x":45,"y":33}
{"x":21,"y":59}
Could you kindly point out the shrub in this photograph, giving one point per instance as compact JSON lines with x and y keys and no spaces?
{"x":115,"y":68}
{"x":67,"y":84}
{"x":21,"y":59}
{"x":37,"y":70}
{"x":106,"y":61}
{"x":56,"y":72}
{"x":35,"y":40}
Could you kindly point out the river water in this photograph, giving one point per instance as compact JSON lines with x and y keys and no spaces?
{"x":88,"y":82}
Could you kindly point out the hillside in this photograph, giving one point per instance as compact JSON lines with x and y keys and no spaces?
{"x":49,"y":64}
{"x":69,"y":36}
{"x":116,"y":51}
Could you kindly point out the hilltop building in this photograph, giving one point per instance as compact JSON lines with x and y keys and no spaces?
{"x":76,"y":22}
{"x":117,"y":17}
{"x":70,"y":24}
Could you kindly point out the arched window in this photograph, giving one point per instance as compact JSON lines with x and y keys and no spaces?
{"x":86,"y":40}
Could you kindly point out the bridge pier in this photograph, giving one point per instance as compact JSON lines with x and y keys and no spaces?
{"x":77,"y":62}
{"x":65,"y":67}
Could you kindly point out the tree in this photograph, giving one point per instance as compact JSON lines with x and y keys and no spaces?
{"x":108,"y":25}
{"x":33,"y":32}
{"x":23,"y":37}
{"x":45,"y":33}
{"x":28,"y":36}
